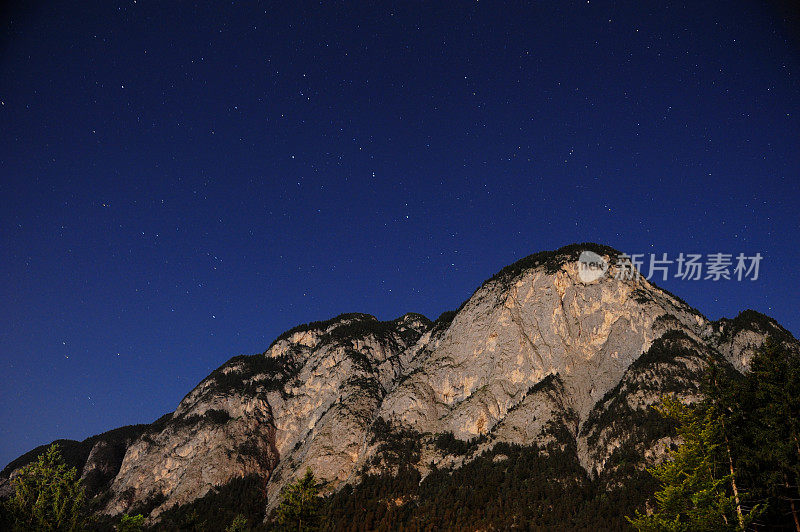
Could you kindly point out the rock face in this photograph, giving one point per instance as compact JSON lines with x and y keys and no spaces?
{"x":307,"y":401}
{"x":536,"y":356}
{"x":512,"y":333}
{"x":204,"y":444}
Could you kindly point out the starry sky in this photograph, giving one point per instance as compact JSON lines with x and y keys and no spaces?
{"x":180,"y":182}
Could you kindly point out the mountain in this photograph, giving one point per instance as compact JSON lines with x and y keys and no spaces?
{"x":529,"y":402}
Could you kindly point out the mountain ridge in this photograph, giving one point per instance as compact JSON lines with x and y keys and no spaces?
{"x":535,"y":358}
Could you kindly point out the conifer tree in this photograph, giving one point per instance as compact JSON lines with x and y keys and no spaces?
{"x":299,"y":507}
{"x":769,"y":399}
{"x":48,"y":495}
{"x":695,"y":487}
{"x":239,"y":524}
{"x":131,"y":523}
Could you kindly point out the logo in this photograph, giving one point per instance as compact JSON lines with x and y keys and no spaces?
{"x":591,"y":266}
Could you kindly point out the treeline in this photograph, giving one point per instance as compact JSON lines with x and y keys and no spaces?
{"x":508,"y":487}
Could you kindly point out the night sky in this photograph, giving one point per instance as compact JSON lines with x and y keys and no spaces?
{"x":181,"y":182}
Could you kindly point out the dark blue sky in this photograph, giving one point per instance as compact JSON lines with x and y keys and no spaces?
{"x":180,"y":182}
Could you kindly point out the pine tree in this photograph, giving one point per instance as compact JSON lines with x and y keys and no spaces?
{"x":299,"y":507}
{"x":755,"y":442}
{"x":723,"y":403}
{"x":47,"y":495}
{"x":239,"y":524}
{"x":131,"y":523}
{"x":694,"y":494}
{"x":769,"y":400}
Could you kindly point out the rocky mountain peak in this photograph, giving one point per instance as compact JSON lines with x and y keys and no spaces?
{"x":533,"y":319}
